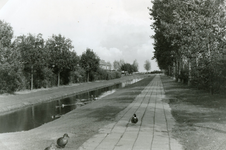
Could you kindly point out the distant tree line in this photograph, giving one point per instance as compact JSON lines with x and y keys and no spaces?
{"x":30,"y":62}
{"x":190,"y":41}
{"x":126,"y":67}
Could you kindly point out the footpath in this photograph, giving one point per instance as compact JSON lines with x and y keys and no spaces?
{"x":152,"y":132}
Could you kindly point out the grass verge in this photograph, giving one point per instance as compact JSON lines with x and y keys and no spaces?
{"x":200,"y":117}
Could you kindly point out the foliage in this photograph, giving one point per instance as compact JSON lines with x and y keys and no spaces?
{"x":107,"y":75}
{"x":44,"y":78}
{"x":116,"y":65}
{"x":6,"y":34}
{"x":89,"y":62}
{"x":135,"y":65}
{"x":11,"y":78}
{"x":128,"y":68}
{"x":147,"y":65}
{"x":29,"y":61}
{"x":190,"y":37}
{"x":156,"y":72}
{"x":109,"y":64}
{"x":61,"y":55}
{"x":78,"y":75}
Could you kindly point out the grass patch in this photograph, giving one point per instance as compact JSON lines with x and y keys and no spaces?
{"x":200,"y":117}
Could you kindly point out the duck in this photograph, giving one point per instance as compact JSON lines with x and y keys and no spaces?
{"x":134,"y":119}
{"x":93,"y":97}
{"x":62,"y":141}
{"x":63,"y":105}
{"x":51,"y":147}
{"x":55,"y":116}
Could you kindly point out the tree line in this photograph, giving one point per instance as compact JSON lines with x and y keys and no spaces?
{"x":121,"y":65}
{"x":30,"y":62}
{"x":189,"y":41}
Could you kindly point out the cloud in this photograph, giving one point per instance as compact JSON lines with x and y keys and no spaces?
{"x":114,"y":29}
{"x":2,"y":3}
{"x":110,"y":54}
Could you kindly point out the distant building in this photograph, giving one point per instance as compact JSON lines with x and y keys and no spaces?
{"x":105,"y":65}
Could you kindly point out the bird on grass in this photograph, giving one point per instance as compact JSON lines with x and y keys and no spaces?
{"x":134,"y":119}
{"x":51,"y":147}
{"x":62,"y":141}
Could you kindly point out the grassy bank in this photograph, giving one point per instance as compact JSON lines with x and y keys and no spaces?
{"x":200,"y":117}
{"x":24,"y":99}
{"x":81,"y":124}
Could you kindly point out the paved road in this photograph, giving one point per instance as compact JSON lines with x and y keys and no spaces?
{"x":152,"y":132}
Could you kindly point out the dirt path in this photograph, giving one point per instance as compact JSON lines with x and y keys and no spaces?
{"x":80,"y":124}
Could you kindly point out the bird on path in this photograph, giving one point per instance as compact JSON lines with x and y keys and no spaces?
{"x":134,"y":119}
{"x":62,"y":141}
{"x":51,"y":147}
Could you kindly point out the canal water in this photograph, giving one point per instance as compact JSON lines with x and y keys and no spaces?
{"x":38,"y":114}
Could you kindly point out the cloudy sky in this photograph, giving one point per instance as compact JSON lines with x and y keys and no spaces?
{"x":114,"y":29}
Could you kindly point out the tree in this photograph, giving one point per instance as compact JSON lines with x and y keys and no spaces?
{"x":128,"y":68}
{"x":116,"y":65}
{"x":190,"y":37}
{"x":10,"y":67}
{"x":6,"y":35}
{"x":61,"y":58}
{"x":32,"y":53}
{"x":89,"y":62}
{"x":109,"y":65}
{"x":135,"y":66}
{"x":121,"y":62}
{"x":147,"y":65}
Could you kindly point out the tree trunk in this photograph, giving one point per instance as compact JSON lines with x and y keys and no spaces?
{"x":189,"y":72}
{"x":174,"y":71}
{"x":210,"y":73}
{"x":179,"y":70}
{"x":58,"y":78}
{"x":182,"y":69}
{"x":87,"y":76}
{"x":32,"y":77}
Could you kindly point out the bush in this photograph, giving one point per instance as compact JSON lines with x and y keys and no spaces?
{"x":210,"y":77}
{"x":184,"y":76}
{"x":107,"y":75}
{"x":44,"y":77}
{"x":11,"y":78}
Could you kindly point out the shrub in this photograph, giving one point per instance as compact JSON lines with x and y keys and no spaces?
{"x":11,"y":78}
{"x":107,"y":75}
